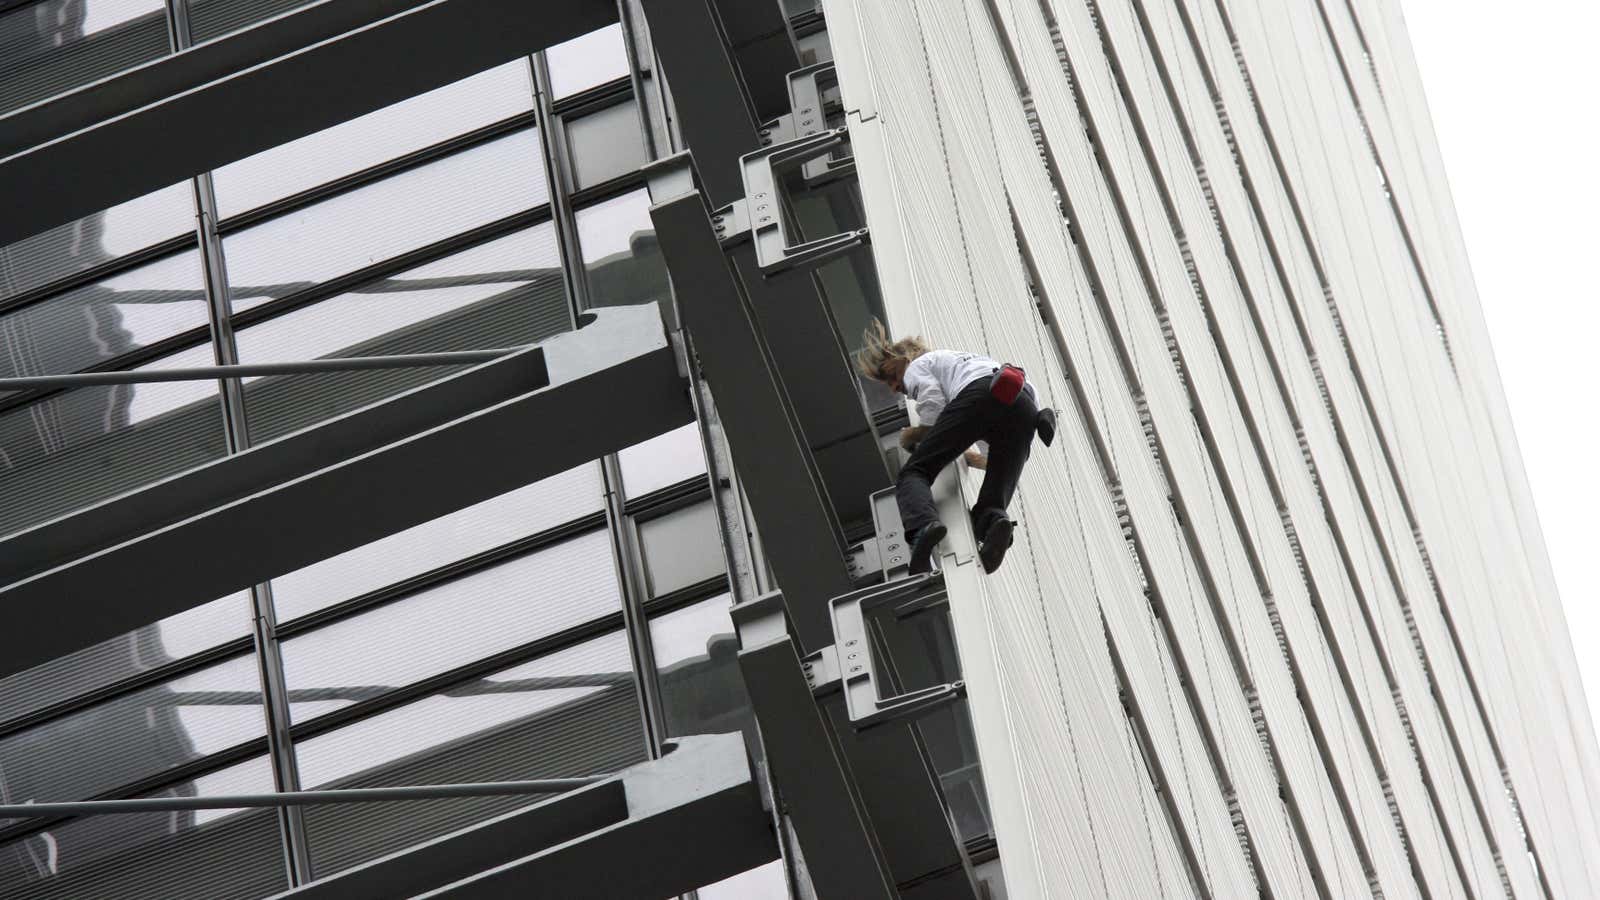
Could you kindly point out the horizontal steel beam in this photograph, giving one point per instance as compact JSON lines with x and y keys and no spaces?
{"x":612,"y":384}
{"x":298,"y":73}
{"x":297,"y":798}
{"x":246,"y":370}
{"x":105,"y":524}
{"x":665,"y":827}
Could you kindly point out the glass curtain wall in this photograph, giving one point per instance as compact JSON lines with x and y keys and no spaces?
{"x":565,"y":628}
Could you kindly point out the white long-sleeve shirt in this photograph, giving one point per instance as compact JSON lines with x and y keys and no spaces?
{"x":933,"y":378}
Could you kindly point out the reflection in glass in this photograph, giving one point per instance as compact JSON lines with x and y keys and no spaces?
{"x":229,"y":854}
{"x":507,"y":292}
{"x":681,"y":548}
{"x":605,"y":144}
{"x":49,"y":47}
{"x":91,"y":324}
{"x":134,"y":736}
{"x":386,"y":218}
{"x":109,"y":662}
{"x":923,"y":652}
{"x":662,"y":461}
{"x":213,"y":18}
{"x":572,"y":713}
{"x":463,"y":619}
{"x":587,"y":61}
{"x":376,"y":137}
{"x":621,"y":256}
{"x":697,"y":667}
{"x":407,"y":554}
{"x":82,"y":446}
{"x":92,"y":240}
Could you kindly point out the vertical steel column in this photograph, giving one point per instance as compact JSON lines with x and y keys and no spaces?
{"x":741,"y":552}
{"x":263,"y":617}
{"x":630,"y":45}
{"x":624,"y":554}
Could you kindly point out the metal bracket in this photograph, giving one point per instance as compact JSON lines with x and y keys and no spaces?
{"x":853,"y":657}
{"x":865,"y":562}
{"x":809,"y":116}
{"x":732,"y":224}
{"x":774,"y":252}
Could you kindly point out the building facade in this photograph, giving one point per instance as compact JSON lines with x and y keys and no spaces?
{"x":1278,"y":620}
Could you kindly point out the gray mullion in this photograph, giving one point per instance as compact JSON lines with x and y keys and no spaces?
{"x":558,"y":175}
{"x":630,"y":47}
{"x":627,"y":553}
{"x":263,"y":618}
{"x":623,"y":545}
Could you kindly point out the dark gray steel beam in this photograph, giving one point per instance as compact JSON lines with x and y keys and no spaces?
{"x":660,"y":828}
{"x":714,"y":110}
{"x":221,"y":101}
{"x":811,"y":355}
{"x":190,"y":493}
{"x":837,"y":839}
{"x":697,"y":41}
{"x":688,"y":825}
{"x":762,"y":43}
{"x":787,"y":496}
{"x":610,"y":387}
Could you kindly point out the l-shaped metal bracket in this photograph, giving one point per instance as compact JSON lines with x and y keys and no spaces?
{"x":775,"y":253}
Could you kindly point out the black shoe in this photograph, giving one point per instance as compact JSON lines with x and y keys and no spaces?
{"x":996,"y":541}
{"x":1046,"y":425}
{"x":922,"y":548}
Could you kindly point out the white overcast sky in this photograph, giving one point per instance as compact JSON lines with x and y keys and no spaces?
{"x":1515,"y":97}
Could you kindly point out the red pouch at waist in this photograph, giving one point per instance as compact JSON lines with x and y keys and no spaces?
{"x":1007,"y":384}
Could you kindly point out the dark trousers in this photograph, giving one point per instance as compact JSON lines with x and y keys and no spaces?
{"x":972,"y":416}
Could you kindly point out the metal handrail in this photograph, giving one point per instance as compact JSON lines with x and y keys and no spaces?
{"x":301,"y":367}
{"x":298,"y":798}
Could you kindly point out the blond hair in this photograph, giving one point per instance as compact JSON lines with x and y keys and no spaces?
{"x":877,"y":350}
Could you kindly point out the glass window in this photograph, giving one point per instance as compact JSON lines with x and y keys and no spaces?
{"x":922,"y":650}
{"x":61,"y":251}
{"x":376,"y":137}
{"x":568,"y":714}
{"x":52,"y":46}
{"x":223,"y":854}
{"x":681,"y":548}
{"x":587,"y":61}
{"x":462,"y":620}
{"x":604,"y":144}
{"x":103,"y":320}
{"x":82,"y":446}
{"x":697,"y":667}
{"x":621,"y":256}
{"x":213,"y":18}
{"x":386,"y":218}
{"x":407,"y":554}
{"x":136,"y":735}
{"x":504,"y":293}
{"x":662,"y":461}
{"x":109,"y":662}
